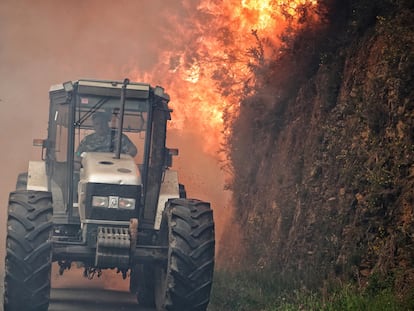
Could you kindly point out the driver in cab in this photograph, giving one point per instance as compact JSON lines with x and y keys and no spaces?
{"x":104,"y":139}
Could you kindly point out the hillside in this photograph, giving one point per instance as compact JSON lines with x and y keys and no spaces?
{"x":323,"y":153}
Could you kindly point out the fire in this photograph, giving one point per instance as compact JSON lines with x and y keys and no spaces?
{"x":206,"y":68}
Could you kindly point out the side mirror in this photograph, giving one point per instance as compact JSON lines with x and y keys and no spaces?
{"x":169,"y":154}
{"x":38,"y":142}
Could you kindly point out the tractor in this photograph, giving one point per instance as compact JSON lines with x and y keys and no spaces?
{"x":106,"y":209}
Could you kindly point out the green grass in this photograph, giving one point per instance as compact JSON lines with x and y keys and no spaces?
{"x":263,"y":292}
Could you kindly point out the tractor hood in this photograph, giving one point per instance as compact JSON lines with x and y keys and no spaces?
{"x":99,"y":167}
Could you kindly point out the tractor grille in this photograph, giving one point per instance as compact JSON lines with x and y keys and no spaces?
{"x":112,"y":191}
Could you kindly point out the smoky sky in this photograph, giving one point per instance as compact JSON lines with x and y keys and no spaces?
{"x":45,"y":42}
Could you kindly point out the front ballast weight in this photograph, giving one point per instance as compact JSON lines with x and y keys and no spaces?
{"x":113,"y":247}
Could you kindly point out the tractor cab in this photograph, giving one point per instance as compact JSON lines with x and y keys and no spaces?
{"x":130,"y":110}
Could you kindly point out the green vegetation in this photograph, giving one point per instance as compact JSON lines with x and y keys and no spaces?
{"x":263,"y":291}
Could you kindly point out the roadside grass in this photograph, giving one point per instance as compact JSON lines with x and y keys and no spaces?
{"x":248,"y":291}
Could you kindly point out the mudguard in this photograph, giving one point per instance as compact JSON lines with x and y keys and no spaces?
{"x":36,"y":178}
{"x":169,"y":190}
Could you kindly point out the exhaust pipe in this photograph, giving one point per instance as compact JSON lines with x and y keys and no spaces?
{"x":121,"y":120}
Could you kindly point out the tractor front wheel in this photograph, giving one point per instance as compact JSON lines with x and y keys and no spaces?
{"x":184,"y":281}
{"x":28,"y":251}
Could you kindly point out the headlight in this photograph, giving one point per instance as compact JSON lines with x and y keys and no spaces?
{"x":113,"y":202}
{"x":98,"y":201}
{"x":126,"y":203}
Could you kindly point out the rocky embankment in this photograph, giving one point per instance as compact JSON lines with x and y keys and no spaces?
{"x":324,"y":167}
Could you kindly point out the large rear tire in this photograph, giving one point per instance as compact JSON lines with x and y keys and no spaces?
{"x":28,"y":251}
{"x":184,"y":282}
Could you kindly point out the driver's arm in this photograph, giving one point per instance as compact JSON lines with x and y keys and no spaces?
{"x":128,"y":146}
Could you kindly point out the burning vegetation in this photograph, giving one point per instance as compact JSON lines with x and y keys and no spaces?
{"x":310,"y":102}
{"x":215,"y":55}
{"x":322,"y":157}
{"x":219,"y":55}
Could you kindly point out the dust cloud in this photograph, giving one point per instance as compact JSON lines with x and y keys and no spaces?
{"x":46,"y":42}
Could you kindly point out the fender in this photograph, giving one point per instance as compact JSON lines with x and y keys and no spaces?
{"x":169,"y":190}
{"x":36,"y":177}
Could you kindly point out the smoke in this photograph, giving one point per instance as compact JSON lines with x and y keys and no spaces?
{"x":46,"y":42}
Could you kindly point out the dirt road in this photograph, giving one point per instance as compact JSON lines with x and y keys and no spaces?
{"x":91,"y":299}
{"x":73,"y":292}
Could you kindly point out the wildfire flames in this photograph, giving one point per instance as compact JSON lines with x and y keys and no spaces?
{"x":206,"y":70}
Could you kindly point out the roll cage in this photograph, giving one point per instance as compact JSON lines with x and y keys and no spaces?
{"x":141,"y":110}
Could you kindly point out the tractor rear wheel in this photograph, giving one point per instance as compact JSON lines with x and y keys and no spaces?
{"x":28,"y":251}
{"x":184,"y":281}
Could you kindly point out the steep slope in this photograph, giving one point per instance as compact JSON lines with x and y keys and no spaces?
{"x":323,"y":154}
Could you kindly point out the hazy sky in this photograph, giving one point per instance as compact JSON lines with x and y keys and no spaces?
{"x":47,"y":42}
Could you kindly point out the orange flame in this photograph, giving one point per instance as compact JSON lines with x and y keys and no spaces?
{"x":207,"y":67}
